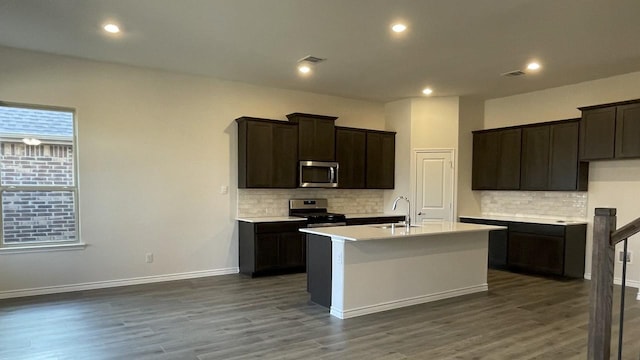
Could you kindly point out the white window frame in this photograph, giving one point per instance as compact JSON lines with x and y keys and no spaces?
{"x":45,"y":245}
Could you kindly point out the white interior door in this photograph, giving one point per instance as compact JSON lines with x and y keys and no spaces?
{"x":434,"y":185}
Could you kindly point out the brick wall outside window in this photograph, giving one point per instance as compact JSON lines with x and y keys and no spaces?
{"x":33,"y":215}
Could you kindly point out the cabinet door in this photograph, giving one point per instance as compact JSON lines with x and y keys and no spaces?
{"x":351,"y":156}
{"x":316,"y":139}
{"x":380,"y":160}
{"x":259,"y":158}
{"x":266,"y":251}
{"x":498,"y":248}
{"x":284,"y":159}
{"x":534,"y":169}
{"x":536,"y":252}
{"x":565,"y":171}
{"x":509,"y":159}
{"x":485,"y":161}
{"x":325,"y":140}
{"x":292,"y":249}
{"x":628,"y":131}
{"x":597,"y":133}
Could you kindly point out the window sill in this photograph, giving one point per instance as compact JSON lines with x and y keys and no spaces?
{"x":42,"y":248}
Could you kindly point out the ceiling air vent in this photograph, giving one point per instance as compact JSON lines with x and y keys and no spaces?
{"x":513,"y":73}
{"x":312,"y":59}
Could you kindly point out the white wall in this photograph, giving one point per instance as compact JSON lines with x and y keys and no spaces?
{"x":154,"y":149}
{"x":611,"y":183}
{"x":471,"y":118}
{"x":398,"y":119}
{"x":421,"y":123}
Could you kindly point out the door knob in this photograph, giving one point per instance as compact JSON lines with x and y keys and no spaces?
{"x":420,"y":213}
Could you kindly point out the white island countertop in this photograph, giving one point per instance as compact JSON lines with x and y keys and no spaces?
{"x":387,"y":231}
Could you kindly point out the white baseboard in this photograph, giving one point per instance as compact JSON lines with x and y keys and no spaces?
{"x":115,"y":283}
{"x":618,"y":281}
{"x":370,"y":309}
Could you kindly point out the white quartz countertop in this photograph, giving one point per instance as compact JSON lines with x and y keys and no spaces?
{"x":377,"y":232}
{"x":528,"y":220}
{"x":371,"y":215}
{"x":270,"y":219}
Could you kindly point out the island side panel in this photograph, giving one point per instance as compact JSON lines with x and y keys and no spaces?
{"x":319,"y":269}
{"x":387,"y":274}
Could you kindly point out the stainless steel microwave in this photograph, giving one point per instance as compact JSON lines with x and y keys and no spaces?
{"x":320,"y":174}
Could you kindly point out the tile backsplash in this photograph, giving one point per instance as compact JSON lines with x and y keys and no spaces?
{"x":275,"y":202}
{"x":541,"y":204}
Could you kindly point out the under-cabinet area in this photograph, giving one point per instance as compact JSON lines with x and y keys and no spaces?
{"x":542,"y":247}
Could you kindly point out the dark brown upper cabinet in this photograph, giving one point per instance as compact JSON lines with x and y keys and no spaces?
{"x":496,"y":159}
{"x":628,"y":131}
{"x":534,"y":166}
{"x":550,"y":157}
{"x":316,"y":134}
{"x":610,"y":131}
{"x":351,"y":150}
{"x":267,"y":153}
{"x":380,"y":163}
{"x":597,"y":134}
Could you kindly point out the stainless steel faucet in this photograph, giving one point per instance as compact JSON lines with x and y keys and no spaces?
{"x":407,"y":220}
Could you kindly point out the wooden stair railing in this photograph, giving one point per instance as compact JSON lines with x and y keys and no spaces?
{"x":605,"y":238}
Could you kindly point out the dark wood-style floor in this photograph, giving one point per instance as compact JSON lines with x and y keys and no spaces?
{"x":234,"y":317}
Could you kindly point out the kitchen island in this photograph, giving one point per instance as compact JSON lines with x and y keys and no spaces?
{"x":359,"y":270}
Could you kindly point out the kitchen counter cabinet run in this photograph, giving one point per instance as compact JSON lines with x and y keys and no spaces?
{"x":271,"y":248}
{"x":537,"y":248}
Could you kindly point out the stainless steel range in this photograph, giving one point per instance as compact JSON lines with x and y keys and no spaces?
{"x":315,"y":211}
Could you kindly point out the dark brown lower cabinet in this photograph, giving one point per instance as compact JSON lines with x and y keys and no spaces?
{"x":535,"y":252}
{"x":537,"y":248}
{"x":271,"y":248}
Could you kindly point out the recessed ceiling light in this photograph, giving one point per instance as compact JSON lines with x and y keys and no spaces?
{"x":427,"y":91}
{"x":111,"y":28}
{"x":533,"y":66}
{"x":304,"y":68}
{"x":399,"y":27}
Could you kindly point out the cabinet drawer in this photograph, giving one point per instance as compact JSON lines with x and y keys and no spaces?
{"x":279,"y":227}
{"x":538,"y":229}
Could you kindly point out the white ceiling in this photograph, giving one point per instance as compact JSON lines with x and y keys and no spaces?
{"x":457,"y":47}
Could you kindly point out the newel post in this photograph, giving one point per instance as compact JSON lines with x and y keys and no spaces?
{"x":601,"y":294}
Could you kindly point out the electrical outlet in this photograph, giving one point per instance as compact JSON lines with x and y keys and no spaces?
{"x":149,"y":258}
{"x":224,"y":190}
{"x":621,"y":256}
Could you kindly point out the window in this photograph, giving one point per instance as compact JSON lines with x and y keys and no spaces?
{"x":38,"y":182}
